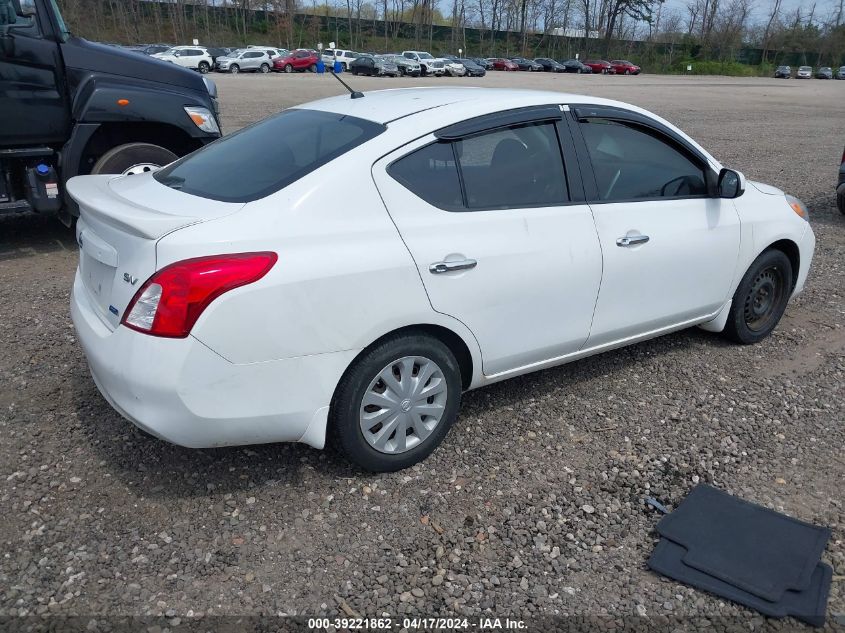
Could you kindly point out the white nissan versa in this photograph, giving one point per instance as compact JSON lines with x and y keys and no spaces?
{"x":343,"y":270}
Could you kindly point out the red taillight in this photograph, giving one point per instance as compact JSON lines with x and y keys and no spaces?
{"x":172,"y":300}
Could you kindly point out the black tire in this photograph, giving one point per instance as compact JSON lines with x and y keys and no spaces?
{"x":265,"y":68}
{"x":118,"y":159}
{"x":313,"y":68}
{"x":355,"y":72}
{"x":761,"y":298}
{"x":288,"y":68}
{"x":234,"y":69}
{"x":627,"y":71}
{"x":401,"y":71}
{"x":344,"y":421}
{"x":204,"y":67}
{"x":840,"y":202}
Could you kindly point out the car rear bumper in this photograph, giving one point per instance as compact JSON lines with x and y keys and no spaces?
{"x":181,"y":391}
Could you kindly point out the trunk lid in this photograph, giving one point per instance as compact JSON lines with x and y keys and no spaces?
{"x":121,"y":220}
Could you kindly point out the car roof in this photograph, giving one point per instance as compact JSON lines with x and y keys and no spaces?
{"x":384,"y":106}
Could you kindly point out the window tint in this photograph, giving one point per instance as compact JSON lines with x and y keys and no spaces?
{"x":518,"y":166}
{"x":512,"y":167}
{"x":268,"y":156}
{"x":631,"y":162}
{"x":431,"y":174}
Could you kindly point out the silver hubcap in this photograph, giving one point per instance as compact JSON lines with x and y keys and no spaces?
{"x":403,"y":404}
{"x":141,"y":168}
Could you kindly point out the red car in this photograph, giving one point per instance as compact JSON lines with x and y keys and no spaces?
{"x":600,"y":66}
{"x":623,"y":67}
{"x":499,"y":63}
{"x":298,"y":60}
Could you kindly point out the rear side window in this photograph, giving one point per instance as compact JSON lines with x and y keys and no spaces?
{"x":631,"y":162}
{"x":432,"y":174}
{"x":266,"y":157}
{"x":511,"y":167}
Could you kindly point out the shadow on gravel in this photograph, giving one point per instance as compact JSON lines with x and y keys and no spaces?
{"x":159,"y":470}
{"x":30,"y":235}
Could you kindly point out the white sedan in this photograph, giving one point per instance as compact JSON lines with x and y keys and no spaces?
{"x":342,"y":271}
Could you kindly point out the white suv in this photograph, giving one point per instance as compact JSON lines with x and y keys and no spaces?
{"x":429,"y":64}
{"x":194,"y":57}
{"x":330,"y":55}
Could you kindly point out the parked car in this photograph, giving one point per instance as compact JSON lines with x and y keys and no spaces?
{"x":254,"y":318}
{"x":217,"y":51}
{"x":526,"y":64}
{"x":600,"y":66}
{"x":152,"y":49}
{"x":840,"y":74}
{"x":330,"y":55}
{"x":454,"y":68}
{"x":576,"y":66}
{"x":783,"y":72}
{"x":473,"y":69}
{"x":248,"y":60}
{"x":272,"y":51}
{"x":624,"y":67}
{"x":483,"y":62}
{"x":429,"y":65}
{"x":840,"y":189}
{"x":804,"y":72}
{"x":550,"y":65}
{"x":500,"y":63}
{"x":299,"y":60}
{"x":374,"y":65}
{"x":825,"y":72}
{"x":193,"y":57}
{"x":406,"y":66}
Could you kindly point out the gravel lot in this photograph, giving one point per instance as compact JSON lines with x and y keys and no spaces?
{"x":534,"y":504}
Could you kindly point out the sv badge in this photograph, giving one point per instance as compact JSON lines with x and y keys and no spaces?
{"x":130,"y":279}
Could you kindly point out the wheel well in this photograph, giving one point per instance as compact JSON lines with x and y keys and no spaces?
{"x":110,"y":135}
{"x":790,"y":249}
{"x":446,"y":336}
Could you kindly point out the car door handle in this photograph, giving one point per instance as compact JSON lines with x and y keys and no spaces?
{"x":438,"y":268}
{"x":632,"y":240}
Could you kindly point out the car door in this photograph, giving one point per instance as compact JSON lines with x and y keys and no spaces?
{"x":670,"y":248}
{"x":34,"y":108}
{"x":500,"y":233}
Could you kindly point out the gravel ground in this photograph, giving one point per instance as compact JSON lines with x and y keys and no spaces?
{"x":532,"y":507}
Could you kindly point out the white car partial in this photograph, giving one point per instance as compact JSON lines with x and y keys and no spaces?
{"x":233,"y":297}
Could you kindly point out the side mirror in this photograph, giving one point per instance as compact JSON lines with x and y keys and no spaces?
{"x":731,"y":184}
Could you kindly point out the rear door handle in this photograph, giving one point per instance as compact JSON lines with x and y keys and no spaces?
{"x":438,"y":268}
{"x":632,"y":240}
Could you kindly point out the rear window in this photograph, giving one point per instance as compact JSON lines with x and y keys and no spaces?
{"x":266,"y":157}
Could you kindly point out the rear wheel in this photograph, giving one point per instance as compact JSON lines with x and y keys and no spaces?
{"x":313,"y":68}
{"x":396,"y":403}
{"x":133,"y":158}
{"x":627,"y":71}
{"x":840,"y":202}
{"x":265,"y":68}
{"x":204,"y":67}
{"x":760,"y":300}
{"x":234,"y":69}
{"x":288,"y":68}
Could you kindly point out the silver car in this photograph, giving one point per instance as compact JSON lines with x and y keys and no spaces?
{"x":386,"y":66}
{"x":804,"y":72}
{"x":406,"y":66}
{"x":245,"y":60}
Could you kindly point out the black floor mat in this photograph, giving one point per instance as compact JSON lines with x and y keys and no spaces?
{"x":809,"y":605}
{"x":747,"y":546}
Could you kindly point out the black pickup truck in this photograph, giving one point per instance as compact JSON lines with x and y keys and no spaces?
{"x":71,"y":107}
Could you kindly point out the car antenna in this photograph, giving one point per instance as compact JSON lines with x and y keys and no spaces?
{"x":354,"y":94}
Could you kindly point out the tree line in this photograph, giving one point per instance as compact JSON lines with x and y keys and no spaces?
{"x":725,"y":32}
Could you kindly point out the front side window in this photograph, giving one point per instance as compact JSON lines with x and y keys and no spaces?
{"x":265,"y":157}
{"x":631,"y":162}
{"x":519,"y":166}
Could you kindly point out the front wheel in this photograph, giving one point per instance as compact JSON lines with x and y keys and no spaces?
{"x":396,"y":403}
{"x":288,"y":68}
{"x":840,"y":202}
{"x":204,"y":67}
{"x":760,"y":300}
{"x":133,"y":158}
{"x":234,"y":69}
{"x":627,"y":72}
{"x":265,"y":68}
